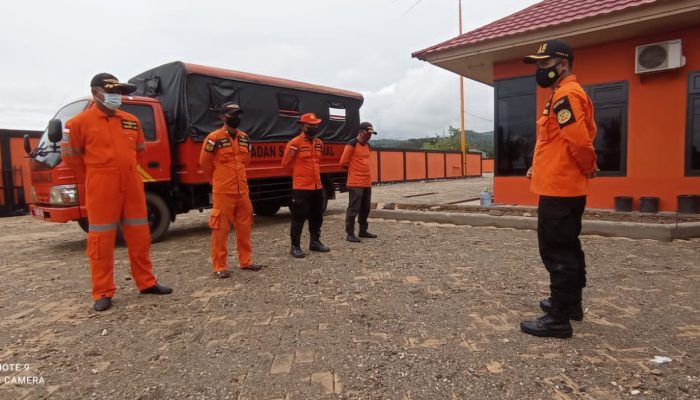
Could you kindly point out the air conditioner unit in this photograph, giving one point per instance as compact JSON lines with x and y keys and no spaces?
{"x":660,"y":56}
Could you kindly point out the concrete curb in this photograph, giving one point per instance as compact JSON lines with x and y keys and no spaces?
{"x":632,"y":230}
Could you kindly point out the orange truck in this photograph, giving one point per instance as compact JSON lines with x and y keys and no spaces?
{"x":177,"y":105}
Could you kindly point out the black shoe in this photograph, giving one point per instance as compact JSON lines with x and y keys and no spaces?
{"x":366,"y":234}
{"x":222,"y":274}
{"x":103,"y":304}
{"x":296,"y":252}
{"x":252,"y":267}
{"x":548,"y":326}
{"x":157,"y":289}
{"x":574,"y":311}
{"x":316,"y":245}
{"x":352,"y":238}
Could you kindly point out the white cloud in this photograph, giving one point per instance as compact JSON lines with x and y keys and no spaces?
{"x":51,"y":52}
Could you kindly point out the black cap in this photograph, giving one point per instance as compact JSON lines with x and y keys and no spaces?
{"x":366,"y":126}
{"x":230,"y":107}
{"x":111,"y":84}
{"x":550,"y":49}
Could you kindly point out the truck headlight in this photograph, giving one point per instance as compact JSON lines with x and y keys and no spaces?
{"x":63,"y":195}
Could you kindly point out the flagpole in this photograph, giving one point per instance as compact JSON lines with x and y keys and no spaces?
{"x":462,"y":137}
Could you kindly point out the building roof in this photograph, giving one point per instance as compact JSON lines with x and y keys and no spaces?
{"x":545,"y":14}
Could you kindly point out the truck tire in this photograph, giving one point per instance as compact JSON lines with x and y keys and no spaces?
{"x":158,"y":216}
{"x":266,"y":208}
{"x":84,"y":225}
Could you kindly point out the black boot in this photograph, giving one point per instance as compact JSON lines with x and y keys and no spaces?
{"x":352,"y":238}
{"x":574,"y":311}
{"x":102,"y":304}
{"x":316,"y":245}
{"x":296,"y":251}
{"x":365,"y":234}
{"x":553,"y":324}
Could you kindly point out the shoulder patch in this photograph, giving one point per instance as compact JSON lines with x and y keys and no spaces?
{"x":128,"y":124}
{"x":210,"y":146}
{"x":564,"y":112}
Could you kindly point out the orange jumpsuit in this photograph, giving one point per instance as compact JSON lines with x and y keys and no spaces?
{"x":224,"y":157}
{"x":102,"y":150}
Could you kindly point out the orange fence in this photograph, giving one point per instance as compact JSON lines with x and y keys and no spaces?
{"x":487,"y":165}
{"x":402,"y":165}
{"x":15,"y":182}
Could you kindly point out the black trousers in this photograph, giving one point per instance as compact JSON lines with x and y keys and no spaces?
{"x":358,"y":206}
{"x":306,"y":204}
{"x":558,"y":229}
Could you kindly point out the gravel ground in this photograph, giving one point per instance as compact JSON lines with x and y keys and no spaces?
{"x":423,"y":312}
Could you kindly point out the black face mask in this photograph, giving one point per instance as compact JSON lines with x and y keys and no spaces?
{"x":547,"y":76}
{"x":311,"y":130}
{"x":233,"y":122}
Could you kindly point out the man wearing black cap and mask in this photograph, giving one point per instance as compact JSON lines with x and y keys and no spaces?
{"x":563,"y":162}
{"x":356,"y":159}
{"x":101,"y":145}
{"x":224,"y":156}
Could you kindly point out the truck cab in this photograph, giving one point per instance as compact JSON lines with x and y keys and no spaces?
{"x":58,"y":197}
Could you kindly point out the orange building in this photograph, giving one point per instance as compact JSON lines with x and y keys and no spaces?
{"x":639,"y":60}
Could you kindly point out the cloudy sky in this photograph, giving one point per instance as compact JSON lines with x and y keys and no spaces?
{"x":50,"y":51}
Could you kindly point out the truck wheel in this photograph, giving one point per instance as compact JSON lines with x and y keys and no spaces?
{"x":266,"y":208}
{"x":84,"y":225}
{"x":158,"y":216}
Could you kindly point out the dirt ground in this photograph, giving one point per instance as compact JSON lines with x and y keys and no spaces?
{"x":423,"y":312}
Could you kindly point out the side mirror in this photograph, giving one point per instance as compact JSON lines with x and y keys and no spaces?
{"x":55,"y":130}
{"x":27,"y":144}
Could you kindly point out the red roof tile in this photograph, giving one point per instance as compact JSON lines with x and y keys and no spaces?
{"x":547,"y":13}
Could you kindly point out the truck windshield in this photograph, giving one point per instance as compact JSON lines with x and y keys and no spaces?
{"x":46,"y":158}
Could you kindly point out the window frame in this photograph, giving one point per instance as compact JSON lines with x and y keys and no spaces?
{"x":693,"y":94}
{"x":513,"y":93}
{"x":624,"y":128}
{"x":146,"y":138}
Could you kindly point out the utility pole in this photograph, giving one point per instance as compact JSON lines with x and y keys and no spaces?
{"x":464,"y":147}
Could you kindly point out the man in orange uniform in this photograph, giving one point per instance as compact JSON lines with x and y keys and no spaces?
{"x":304,"y":154}
{"x":101,"y":144}
{"x":563,"y":162}
{"x":356,"y":159}
{"x":224,"y":157}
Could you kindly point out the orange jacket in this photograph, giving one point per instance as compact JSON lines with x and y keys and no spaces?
{"x":356,"y":158}
{"x":564,"y":151}
{"x":93,"y":139}
{"x":223,"y":158}
{"x":304,"y":155}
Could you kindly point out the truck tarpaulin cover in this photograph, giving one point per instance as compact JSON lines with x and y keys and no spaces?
{"x":191,"y":95}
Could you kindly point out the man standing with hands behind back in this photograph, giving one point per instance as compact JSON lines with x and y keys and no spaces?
{"x":304,"y":153}
{"x":224,"y":156}
{"x":356,"y":159}
{"x":563,"y":162}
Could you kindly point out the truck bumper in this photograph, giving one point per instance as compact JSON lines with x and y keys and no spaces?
{"x":57,"y":214}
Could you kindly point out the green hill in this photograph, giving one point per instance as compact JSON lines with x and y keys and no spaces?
{"x":477,"y":141}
